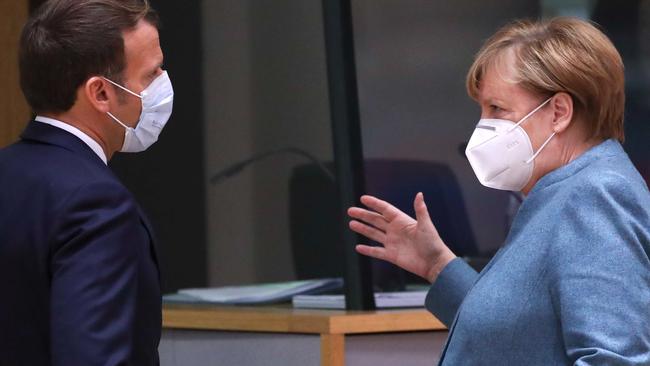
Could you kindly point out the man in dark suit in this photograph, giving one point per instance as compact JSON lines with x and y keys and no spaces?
{"x":78,"y":272}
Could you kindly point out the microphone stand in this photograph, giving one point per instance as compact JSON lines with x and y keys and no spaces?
{"x":236,"y":168}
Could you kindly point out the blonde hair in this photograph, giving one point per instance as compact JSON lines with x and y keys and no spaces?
{"x":562,"y":55}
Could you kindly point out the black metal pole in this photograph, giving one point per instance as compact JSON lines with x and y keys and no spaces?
{"x":348,"y":151}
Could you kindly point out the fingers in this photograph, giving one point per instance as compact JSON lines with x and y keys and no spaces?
{"x":386,"y":209}
{"x":375,"y":252}
{"x":369,"y":217}
{"x":422,"y":215}
{"x":421,"y":212}
{"x":368,"y":231}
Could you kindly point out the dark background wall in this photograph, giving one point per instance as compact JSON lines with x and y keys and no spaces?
{"x":265,"y":88}
{"x":168,"y":178}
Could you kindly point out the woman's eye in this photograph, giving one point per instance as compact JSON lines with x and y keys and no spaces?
{"x":496,"y":108}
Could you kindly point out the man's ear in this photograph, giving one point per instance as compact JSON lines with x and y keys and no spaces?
{"x":562,"y":105}
{"x":98,"y":93}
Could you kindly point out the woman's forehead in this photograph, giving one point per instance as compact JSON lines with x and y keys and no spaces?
{"x":499,"y":80}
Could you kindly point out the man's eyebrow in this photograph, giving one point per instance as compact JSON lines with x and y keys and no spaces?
{"x":158,"y":65}
{"x":154,"y":69}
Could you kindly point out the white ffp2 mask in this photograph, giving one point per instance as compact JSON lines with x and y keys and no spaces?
{"x":501,"y":154}
{"x":157,"y":104}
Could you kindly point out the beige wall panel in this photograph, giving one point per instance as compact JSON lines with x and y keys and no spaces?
{"x":14,"y":112}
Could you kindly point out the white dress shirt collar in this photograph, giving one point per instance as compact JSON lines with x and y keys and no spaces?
{"x":75,"y":131}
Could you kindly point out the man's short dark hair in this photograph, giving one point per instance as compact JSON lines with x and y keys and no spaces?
{"x":65,"y":42}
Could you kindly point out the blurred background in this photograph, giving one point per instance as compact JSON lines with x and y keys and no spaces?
{"x":250,"y":76}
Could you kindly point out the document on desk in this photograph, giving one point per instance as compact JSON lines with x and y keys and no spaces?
{"x":383,"y":300}
{"x":258,"y":294}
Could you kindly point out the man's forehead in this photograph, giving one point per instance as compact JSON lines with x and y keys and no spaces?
{"x":142,"y":45}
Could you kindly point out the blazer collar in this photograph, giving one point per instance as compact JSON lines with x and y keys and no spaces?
{"x":44,"y":133}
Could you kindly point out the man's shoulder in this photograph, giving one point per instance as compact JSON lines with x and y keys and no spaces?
{"x":34,"y":166}
{"x":49,"y":159}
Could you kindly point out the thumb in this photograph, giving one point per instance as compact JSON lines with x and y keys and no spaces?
{"x":421,"y":212}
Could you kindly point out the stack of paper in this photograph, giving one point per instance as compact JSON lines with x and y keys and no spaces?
{"x":255,"y":294}
{"x":405,"y":299}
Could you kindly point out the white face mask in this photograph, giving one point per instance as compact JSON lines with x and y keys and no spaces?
{"x":157,"y":103}
{"x":501,"y":154}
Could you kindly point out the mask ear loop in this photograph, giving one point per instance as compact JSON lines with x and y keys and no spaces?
{"x":121,"y":87}
{"x":530,"y":114}
{"x":540,"y":148}
{"x":126,"y":90}
{"x":118,"y":121}
{"x":526,"y":117}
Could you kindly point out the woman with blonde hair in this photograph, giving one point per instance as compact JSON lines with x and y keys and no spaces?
{"x":571,"y":284}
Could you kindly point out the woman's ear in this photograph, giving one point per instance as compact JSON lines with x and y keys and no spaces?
{"x":562,"y":105}
{"x":96,"y":91}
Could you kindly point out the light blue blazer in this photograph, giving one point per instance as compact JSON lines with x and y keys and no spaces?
{"x":570,"y":286}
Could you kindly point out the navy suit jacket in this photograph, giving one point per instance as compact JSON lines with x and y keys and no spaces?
{"x":79,"y":280}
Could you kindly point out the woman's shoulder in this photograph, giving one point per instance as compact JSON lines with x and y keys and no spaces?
{"x":605,"y":195}
{"x":607,"y":199}
{"x":612,"y":177}
{"x":603,"y":171}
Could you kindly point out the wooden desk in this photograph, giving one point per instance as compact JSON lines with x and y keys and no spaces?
{"x":331,"y":326}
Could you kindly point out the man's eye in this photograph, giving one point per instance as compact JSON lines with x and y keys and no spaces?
{"x":496,"y":108}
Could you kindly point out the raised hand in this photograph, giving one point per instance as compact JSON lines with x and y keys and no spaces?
{"x":412,"y":244}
